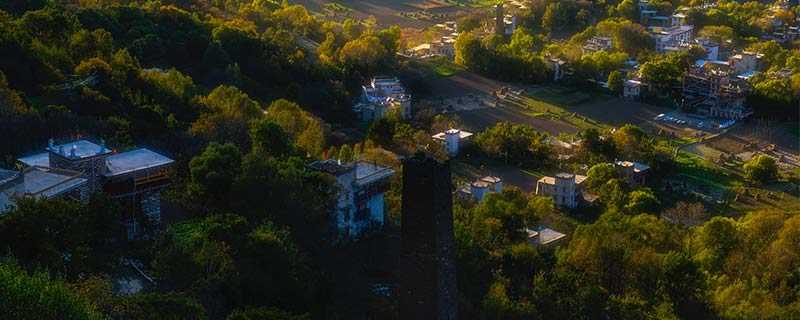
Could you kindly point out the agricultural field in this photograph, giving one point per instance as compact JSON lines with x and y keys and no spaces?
{"x":417,"y":14}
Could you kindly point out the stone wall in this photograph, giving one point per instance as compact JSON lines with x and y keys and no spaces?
{"x":428,"y":288}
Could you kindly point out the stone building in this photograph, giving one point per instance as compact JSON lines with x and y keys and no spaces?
{"x":134,"y":178}
{"x":360,"y":204}
{"x":565,"y":188}
{"x":633,"y":172}
{"x":428,"y":287}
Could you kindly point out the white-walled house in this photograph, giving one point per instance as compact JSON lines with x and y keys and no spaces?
{"x":565,"y":188}
{"x":360,"y":204}
{"x":452,"y":139}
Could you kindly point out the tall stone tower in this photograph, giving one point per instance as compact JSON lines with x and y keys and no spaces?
{"x":428,"y":288}
{"x":499,"y":16}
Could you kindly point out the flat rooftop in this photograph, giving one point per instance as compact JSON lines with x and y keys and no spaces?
{"x":40,"y":182}
{"x":134,"y":160}
{"x":36,"y":160}
{"x":461,"y":134}
{"x":7,"y":175}
{"x":543,"y":235}
{"x":79,"y":149}
{"x":367,"y":173}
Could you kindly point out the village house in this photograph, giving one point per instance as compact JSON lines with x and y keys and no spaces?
{"x":544,"y":236}
{"x":632,"y":89}
{"x":452,"y":139}
{"x":360,"y":204}
{"x":565,"y":188}
{"x":633,"y":172}
{"x":380,"y":96}
{"x":480,"y":188}
{"x":671,"y":38}
{"x":134,"y":178}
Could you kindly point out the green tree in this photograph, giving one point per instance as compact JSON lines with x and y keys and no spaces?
{"x":269,"y":138}
{"x":599,"y":174}
{"x":227,"y":117}
{"x":213,"y":172}
{"x":306,"y":130}
{"x":63,"y":236}
{"x":265,"y":313}
{"x":719,"y":34}
{"x":761,"y":169}
{"x":469,"y":52}
{"x":616,"y":81}
{"x":642,"y":201}
{"x":37,"y":296}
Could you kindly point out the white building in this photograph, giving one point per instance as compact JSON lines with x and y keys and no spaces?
{"x":632,"y":89}
{"x":671,"y":37}
{"x":452,"y":140}
{"x":565,"y":188}
{"x":360,"y":206}
{"x":480,"y":188}
{"x":678,"y":19}
{"x":557,"y":66}
{"x":380,"y":96}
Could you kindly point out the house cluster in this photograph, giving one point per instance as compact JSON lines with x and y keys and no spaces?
{"x":444,"y":47}
{"x":567,"y":189}
{"x":718,"y":88}
{"x":782,"y":30}
{"x":598,"y":43}
{"x":380,"y":96}
{"x":78,"y":168}
{"x":360,"y":205}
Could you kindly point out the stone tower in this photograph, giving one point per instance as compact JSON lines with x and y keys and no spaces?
{"x":428,"y":287}
{"x":499,"y":16}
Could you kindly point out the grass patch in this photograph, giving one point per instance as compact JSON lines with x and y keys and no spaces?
{"x":441,"y":66}
{"x":702,"y":171}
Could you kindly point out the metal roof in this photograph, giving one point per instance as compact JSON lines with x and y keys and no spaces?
{"x":36,"y":160}
{"x":40,"y":182}
{"x":134,"y":160}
